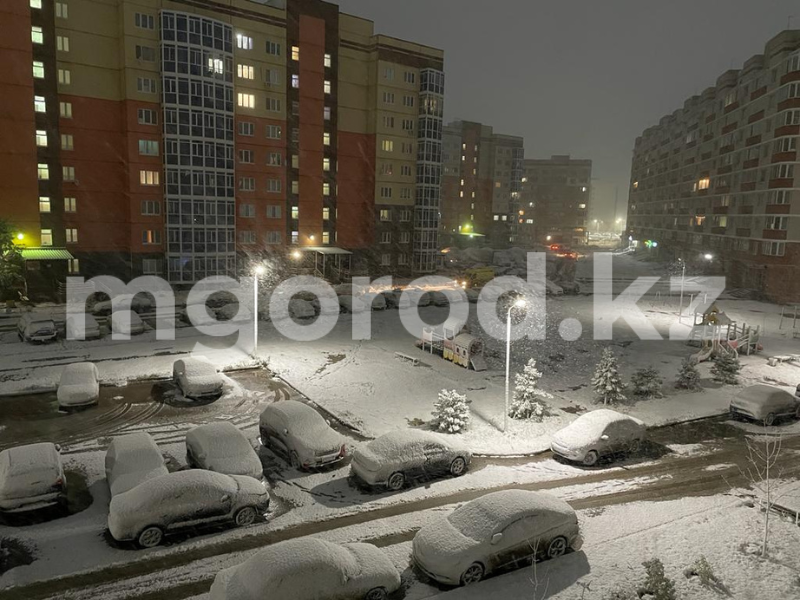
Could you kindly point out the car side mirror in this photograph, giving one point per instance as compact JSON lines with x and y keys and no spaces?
{"x":604,"y":437}
{"x":225,"y":498}
{"x":496,"y":538}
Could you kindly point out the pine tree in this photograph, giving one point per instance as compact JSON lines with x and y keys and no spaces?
{"x":688,"y":376}
{"x":657,"y":585}
{"x":451,"y":412}
{"x":726,"y":369}
{"x":607,"y":383}
{"x":528,"y":401}
{"x":647,"y":383}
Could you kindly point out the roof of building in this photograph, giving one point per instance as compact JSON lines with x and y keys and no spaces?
{"x":46,"y":254}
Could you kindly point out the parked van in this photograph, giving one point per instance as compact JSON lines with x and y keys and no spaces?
{"x":36,"y":328}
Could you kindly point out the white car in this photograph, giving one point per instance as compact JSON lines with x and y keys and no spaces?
{"x":395,"y":457}
{"x":31,"y":477}
{"x":183,"y":500}
{"x":197,"y":378}
{"x":299,"y":433}
{"x":374,"y":301}
{"x":132,"y":459}
{"x":235,"y":313}
{"x":301,"y":309}
{"x":351,"y":304}
{"x":601,"y":432}
{"x":91,"y":329}
{"x":221,"y":447}
{"x":79,"y":385}
{"x":496,"y":531}
{"x":126,"y":322}
{"x":139,"y":304}
{"x":36,"y":328}
{"x":764,"y":403}
{"x":415,"y":296}
{"x":310,"y":569}
{"x":205,"y":316}
{"x":439,"y":299}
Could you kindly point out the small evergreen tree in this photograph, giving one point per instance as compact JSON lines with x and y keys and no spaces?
{"x":647,"y":383}
{"x":726,"y":369}
{"x":688,"y":376}
{"x":607,"y":383}
{"x":528,"y":401}
{"x":451,"y":412}
{"x":657,"y":584}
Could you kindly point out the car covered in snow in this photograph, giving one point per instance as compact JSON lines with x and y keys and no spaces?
{"x":374,"y":301}
{"x":300,"y":434}
{"x":399,"y":456}
{"x":764,"y":403}
{"x":79,"y":385}
{"x":439,"y":299}
{"x":310,"y":569}
{"x":203,"y":316}
{"x":351,"y":304}
{"x":497,"y":531}
{"x":184,"y":500}
{"x":235,"y":313}
{"x":598,"y":433}
{"x":301,"y":309}
{"x":82,"y":326}
{"x":197,"y":378}
{"x":33,"y":327}
{"x":31,"y":477}
{"x":139,"y":304}
{"x":126,"y":322}
{"x":132,"y":459}
{"x":221,"y":447}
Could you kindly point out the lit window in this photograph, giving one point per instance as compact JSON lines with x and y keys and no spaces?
{"x":326,"y":237}
{"x":36,"y":3}
{"x":44,"y":171}
{"x":326,"y":113}
{"x":636,"y":185}
{"x":581,"y":206}
{"x":38,"y":69}
{"x":151,"y":237}
{"x":64,"y":77}
{"x":47,"y":237}
{"x":246,"y":100}
{"x":326,"y":139}
{"x":72,"y":235}
{"x":148,"y":177}
{"x":216,"y":65}
{"x":73,"y":266}
{"x":39,"y":104}
{"x":703,"y":183}
{"x":65,"y":110}
{"x":295,"y":237}
{"x":244,"y":42}
{"x":62,"y":43}
{"x":37,"y":37}
{"x":295,"y":81}
{"x":295,"y":187}
{"x":62,"y":10}
{"x":246,"y":71}
{"x":148,"y":147}
{"x":326,"y":213}
{"x":295,"y":52}
{"x":41,"y":137}
{"x":386,"y":214}
{"x":326,"y":189}
{"x":326,"y":86}
{"x":295,"y":212}
{"x":44,"y":204}
{"x":387,"y":145}
{"x":295,"y":161}
{"x":326,"y":164}
{"x":326,"y":61}
{"x":68,"y":173}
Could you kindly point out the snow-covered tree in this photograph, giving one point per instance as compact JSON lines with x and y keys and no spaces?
{"x":688,"y":376}
{"x":607,"y":383}
{"x":528,"y":400}
{"x":657,"y":585}
{"x":726,"y":369}
{"x":646,"y":383}
{"x":451,"y":412}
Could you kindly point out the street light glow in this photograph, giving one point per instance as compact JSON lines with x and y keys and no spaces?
{"x":708,"y":256}
{"x":296,"y":254}
{"x":520,"y":303}
{"x":20,"y":236}
{"x":259,"y":270}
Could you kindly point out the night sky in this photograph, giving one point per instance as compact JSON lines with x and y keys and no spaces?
{"x":580,"y":77}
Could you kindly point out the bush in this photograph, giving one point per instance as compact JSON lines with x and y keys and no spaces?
{"x":726,"y":369}
{"x":704,"y":571}
{"x":528,"y":398}
{"x":647,"y":383}
{"x":656,"y":583}
{"x":620,"y":594}
{"x":451,"y":412}
{"x":688,"y":376}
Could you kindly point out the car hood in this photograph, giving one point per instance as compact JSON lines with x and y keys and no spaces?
{"x":442,"y":549}
{"x":321,"y":440}
{"x":573,"y":439}
{"x":251,"y":486}
{"x":248,"y":465}
{"x":747,"y":404}
{"x":78,"y":392}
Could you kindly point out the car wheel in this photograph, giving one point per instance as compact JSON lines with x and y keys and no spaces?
{"x":473,"y":574}
{"x":396,"y":481}
{"x":458,"y":467}
{"x":245,"y":516}
{"x":378,"y":593}
{"x":591,"y":458}
{"x":150,"y":537}
{"x":557,"y":547}
{"x":769,"y":419}
{"x":635,"y":446}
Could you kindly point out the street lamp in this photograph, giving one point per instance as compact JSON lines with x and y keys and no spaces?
{"x":683,"y":277}
{"x":520,"y":303}
{"x":708,"y":256}
{"x":257,"y":272}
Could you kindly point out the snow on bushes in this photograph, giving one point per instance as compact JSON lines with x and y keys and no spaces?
{"x":528,"y":400}
{"x":726,"y":369}
{"x":646,"y":383}
{"x":657,"y":585}
{"x":688,"y":376}
{"x":451,"y":412}
{"x":607,"y":382}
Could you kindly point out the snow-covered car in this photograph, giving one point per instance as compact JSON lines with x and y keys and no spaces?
{"x":601,"y":432}
{"x":472,"y":295}
{"x":391,"y":298}
{"x":221,"y":447}
{"x":36,"y":328}
{"x":553,"y":289}
{"x":139,"y":304}
{"x":310,"y":569}
{"x":328,"y":308}
{"x":91,"y":329}
{"x":398,"y":456}
{"x":126,"y":322}
{"x":301,"y":309}
{"x":132,"y":459}
{"x":374,"y":301}
{"x":439,"y":299}
{"x":415,"y":296}
{"x":204,"y":316}
{"x":79,"y":385}
{"x":496,"y":531}
{"x":181,"y":500}
{"x":31,"y":477}
{"x":764,"y":403}
{"x":301,"y":434}
{"x":351,"y":304}
{"x":197,"y":378}
{"x":236,"y":313}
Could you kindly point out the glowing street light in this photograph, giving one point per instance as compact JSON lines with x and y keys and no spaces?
{"x":20,"y":236}
{"x":520,"y":303}
{"x":297,"y":254}
{"x":258,"y":271}
{"x":708,"y":256}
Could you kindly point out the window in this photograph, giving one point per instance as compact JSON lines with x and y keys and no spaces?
{"x":326,"y":237}
{"x":273,"y":48}
{"x":386,"y":214}
{"x":246,"y":100}
{"x":784,"y":171}
{"x":295,"y":52}
{"x":148,"y":177}
{"x":148,"y":147}
{"x":274,"y":237}
{"x":38,"y":69}
{"x":408,"y":148}
{"x":773,"y":248}
{"x":386,"y":237}
{"x":787,"y":144}
{"x":146,"y":85}
{"x":36,"y":3}
{"x":408,"y":101}
{"x":295,"y":81}
{"x":778,"y":223}
{"x":326,"y":61}
{"x":151,"y":207}
{"x":274,"y":185}
{"x":405,"y":216}
{"x":402,"y":259}
{"x":62,"y":10}
{"x":792,"y":117}
{"x":64,"y":77}
{"x":295,"y":237}
{"x":68,"y":173}
{"x":147,"y":116}
{"x":247,"y":211}
{"x":44,"y":204}
{"x":246,"y":71}
{"x":405,"y":237}
{"x":410,"y":77}
{"x":273,"y":105}
{"x":62,"y":43}
{"x":779,"y":197}
{"x":295,"y":161}
{"x":47,"y":237}
{"x":388,"y":73}
{"x":72,"y":235}
{"x":247,"y":128}
{"x":67,"y":141}
{"x":326,"y":188}
{"x":405,"y":170}
{"x":70,"y":205}
{"x":39,"y":105}
{"x":143,"y":21}
{"x":387,"y":145}
{"x":388,"y":97}
{"x":247,"y":184}
{"x":386,"y":260}
{"x":326,"y":139}
{"x":73,"y":266}
{"x":274,"y":132}
{"x":295,"y":212}
{"x":326,"y":86}
{"x":41,"y":137}
{"x":388,"y":121}
{"x":295,"y":108}
{"x":408,"y":125}
{"x":37,"y":37}
{"x":326,"y":213}
{"x":326,"y":164}
{"x":272,"y":77}
{"x":244,"y":42}
{"x":151,"y":266}
{"x":148,"y":54}
{"x":405,"y":193}
{"x":274,"y":159}
{"x":151,"y":237}
{"x":326,"y":113}
{"x":65,"y":110}
{"x":387,"y":168}
{"x":703,"y":183}
{"x":273,"y":211}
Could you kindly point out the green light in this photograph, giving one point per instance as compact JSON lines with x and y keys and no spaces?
{"x":20,"y":236}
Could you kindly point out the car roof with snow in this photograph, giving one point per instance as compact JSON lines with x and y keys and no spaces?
{"x":597,"y":420}
{"x":762,"y":392}
{"x":29,"y":458}
{"x":296,"y":413}
{"x":197,"y":365}
{"x":389,"y":444}
{"x":220,"y":439}
{"x":78,"y":372}
{"x":159,"y":489}
{"x":138,"y":445}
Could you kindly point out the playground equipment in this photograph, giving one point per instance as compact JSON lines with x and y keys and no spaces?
{"x":453,"y":343}
{"x":718,"y":335}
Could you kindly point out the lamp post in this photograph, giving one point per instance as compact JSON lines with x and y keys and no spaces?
{"x":257,"y":272}
{"x":683,"y":277}
{"x":518,"y":304}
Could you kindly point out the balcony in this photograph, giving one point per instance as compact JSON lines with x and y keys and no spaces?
{"x":778,"y":209}
{"x":726,"y":149}
{"x":710,"y":118}
{"x":719,"y":230}
{"x":720,"y":210}
{"x":730,"y":108}
{"x":742,"y":232}
{"x":789,"y":103}
{"x":787,"y":130}
{"x":730,"y":127}
{"x":789,"y":77}
{"x":705,"y":156}
{"x":725,"y":169}
{"x":756,"y":117}
{"x":747,"y":186}
{"x":784,"y":156}
{"x":755,"y":139}
{"x":758,"y":93}
{"x":774,"y":234}
{"x":708,"y":137}
{"x":749,"y":164}
{"x":746,"y":209}
{"x":780,"y":183}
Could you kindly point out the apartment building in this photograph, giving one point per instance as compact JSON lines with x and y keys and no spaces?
{"x":189,"y":139}
{"x":718,"y":177}
{"x":555,"y":200}
{"x":481,"y":184}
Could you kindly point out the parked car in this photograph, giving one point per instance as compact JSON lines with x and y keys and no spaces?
{"x":197,"y":378}
{"x":496,"y":531}
{"x":236,"y":313}
{"x":765,"y":403}
{"x":301,"y":309}
{"x":36,"y":328}
{"x":31,"y":477}
{"x":310,"y":569}
{"x":598,"y":433}
{"x":132,"y":459}
{"x":90,"y":330}
{"x":391,"y":298}
{"x":205,"y":316}
{"x":126,"y":322}
{"x":439,"y":299}
{"x":79,"y":385}
{"x":351,"y":304}
{"x":139,"y":304}
{"x":327,"y":308}
{"x":221,"y":447}
{"x":374,"y":301}
{"x":301,"y":434}
{"x":398,"y":456}
{"x":181,"y":500}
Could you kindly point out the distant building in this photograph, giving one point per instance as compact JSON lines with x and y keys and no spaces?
{"x":554,"y":202}
{"x":718,"y":177}
{"x":481,"y":184}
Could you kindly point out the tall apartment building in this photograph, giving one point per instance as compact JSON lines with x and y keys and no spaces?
{"x":481,"y":183}
{"x":186,"y":138}
{"x":719,"y":176}
{"x":555,"y":200}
